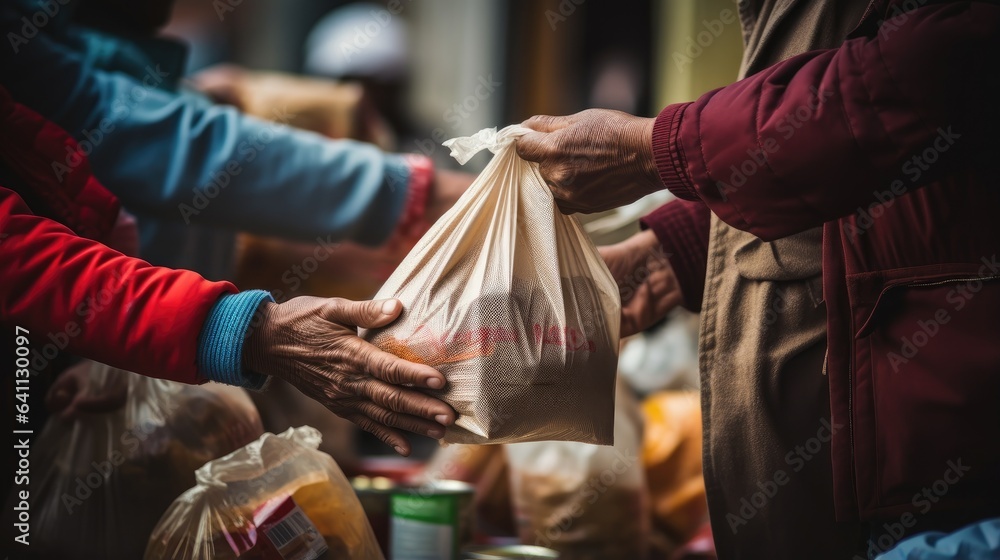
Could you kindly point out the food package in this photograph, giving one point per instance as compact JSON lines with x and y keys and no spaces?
{"x":509,"y":299}
{"x":106,"y":478}
{"x":672,"y":458}
{"x":277,"y":498}
{"x":588,"y":502}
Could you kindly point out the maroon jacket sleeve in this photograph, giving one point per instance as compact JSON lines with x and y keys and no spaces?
{"x":79,"y":295}
{"x":820,"y":135}
{"x":682,"y":229}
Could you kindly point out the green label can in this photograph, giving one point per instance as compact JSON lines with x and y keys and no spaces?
{"x":431,"y":522}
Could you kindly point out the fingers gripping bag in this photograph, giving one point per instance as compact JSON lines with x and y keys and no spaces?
{"x":510,"y":301}
{"x":277,"y":498}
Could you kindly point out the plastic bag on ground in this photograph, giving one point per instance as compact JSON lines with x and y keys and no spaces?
{"x":509,"y":299}
{"x":276,"y":498}
{"x":588,"y":502}
{"x":105,"y":479}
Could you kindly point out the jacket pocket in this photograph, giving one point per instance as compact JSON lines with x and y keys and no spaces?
{"x":925,"y":385}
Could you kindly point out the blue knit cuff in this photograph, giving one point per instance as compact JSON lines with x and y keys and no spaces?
{"x":220,"y":346}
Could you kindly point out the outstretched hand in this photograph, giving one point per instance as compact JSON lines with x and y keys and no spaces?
{"x":313,"y":344}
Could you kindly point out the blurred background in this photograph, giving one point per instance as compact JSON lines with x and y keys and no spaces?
{"x":462,"y":66}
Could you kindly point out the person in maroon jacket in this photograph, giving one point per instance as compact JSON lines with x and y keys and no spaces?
{"x":887,"y":142}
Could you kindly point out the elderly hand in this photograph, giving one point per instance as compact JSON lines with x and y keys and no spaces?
{"x":646,"y":281}
{"x":313,"y":344}
{"x":594,"y":160}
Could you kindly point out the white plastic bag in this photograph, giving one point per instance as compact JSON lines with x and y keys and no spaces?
{"x":510,"y":300}
{"x":277,"y":497}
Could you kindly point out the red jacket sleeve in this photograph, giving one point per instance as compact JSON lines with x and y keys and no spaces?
{"x":682,"y":228}
{"x":78,"y":295}
{"x":822,"y":134}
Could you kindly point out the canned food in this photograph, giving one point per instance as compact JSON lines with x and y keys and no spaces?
{"x":433,"y":521}
{"x":374,"y":494}
{"x":522,"y":551}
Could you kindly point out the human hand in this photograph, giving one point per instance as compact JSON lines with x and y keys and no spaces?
{"x":595,"y":160}
{"x":69,"y":396}
{"x":646,"y":281}
{"x":313,"y":344}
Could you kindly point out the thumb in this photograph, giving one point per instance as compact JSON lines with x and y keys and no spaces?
{"x":367,"y":314}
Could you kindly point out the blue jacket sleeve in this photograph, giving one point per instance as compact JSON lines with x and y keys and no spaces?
{"x":220,"y":343}
{"x":979,"y":541}
{"x":176,"y":156}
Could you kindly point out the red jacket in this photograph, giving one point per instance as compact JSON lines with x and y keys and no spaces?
{"x":889,"y":142}
{"x":73,"y":293}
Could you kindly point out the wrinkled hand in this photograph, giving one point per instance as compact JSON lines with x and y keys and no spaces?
{"x":68,"y":397}
{"x":594,"y":160}
{"x":313,"y":344}
{"x":646,"y":281}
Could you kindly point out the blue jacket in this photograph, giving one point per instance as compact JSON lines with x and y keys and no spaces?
{"x":177,"y":160}
{"x":173,"y":155}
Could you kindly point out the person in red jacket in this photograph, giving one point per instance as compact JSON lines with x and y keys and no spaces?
{"x":887,"y":143}
{"x":66,"y":290}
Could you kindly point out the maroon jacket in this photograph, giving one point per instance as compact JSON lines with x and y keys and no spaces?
{"x":890,"y":143}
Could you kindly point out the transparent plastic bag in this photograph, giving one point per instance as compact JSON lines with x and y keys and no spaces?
{"x":107,"y":478}
{"x":220,"y":518}
{"x":510,"y":300}
{"x":588,"y":502}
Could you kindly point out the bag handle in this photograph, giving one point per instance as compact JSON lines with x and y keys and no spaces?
{"x":464,"y":147}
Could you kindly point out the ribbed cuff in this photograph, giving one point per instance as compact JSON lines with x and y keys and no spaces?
{"x":220,"y":345}
{"x":669,"y":154}
{"x":411,"y":223}
{"x":682,"y":227}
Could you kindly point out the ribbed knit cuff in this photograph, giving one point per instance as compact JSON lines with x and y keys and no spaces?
{"x":682,"y":227}
{"x":220,"y":345}
{"x":668,"y":153}
{"x":419,"y":183}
